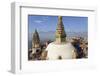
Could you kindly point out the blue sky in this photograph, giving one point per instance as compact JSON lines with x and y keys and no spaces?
{"x":49,"y":23}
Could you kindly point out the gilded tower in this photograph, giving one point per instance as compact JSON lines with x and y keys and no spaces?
{"x":60,"y":32}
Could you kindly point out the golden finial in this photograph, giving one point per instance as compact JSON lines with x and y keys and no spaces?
{"x":60,"y":17}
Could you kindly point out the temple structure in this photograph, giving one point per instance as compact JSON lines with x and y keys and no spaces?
{"x":35,"y":42}
{"x":60,"y":32}
{"x":60,"y":48}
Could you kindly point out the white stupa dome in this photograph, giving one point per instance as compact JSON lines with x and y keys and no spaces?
{"x":60,"y":48}
{"x":64,"y":50}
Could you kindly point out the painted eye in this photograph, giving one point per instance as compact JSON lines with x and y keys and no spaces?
{"x":59,"y":57}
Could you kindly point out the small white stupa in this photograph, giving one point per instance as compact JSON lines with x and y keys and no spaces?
{"x":60,"y":48}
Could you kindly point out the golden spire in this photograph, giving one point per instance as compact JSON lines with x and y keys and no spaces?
{"x":60,"y":32}
{"x":60,"y":17}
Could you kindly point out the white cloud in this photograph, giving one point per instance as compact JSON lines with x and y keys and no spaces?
{"x":41,"y":21}
{"x":45,"y":18}
{"x":38,"y":21}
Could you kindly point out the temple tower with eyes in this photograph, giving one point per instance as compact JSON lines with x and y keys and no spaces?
{"x":60,"y":32}
{"x":60,"y":48}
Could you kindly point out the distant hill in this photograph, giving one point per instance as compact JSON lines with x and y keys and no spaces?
{"x":50,"y":35}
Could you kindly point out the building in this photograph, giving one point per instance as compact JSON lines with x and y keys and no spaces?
{"x":36,"y":48}
{"x":35,"y":40}
{"x":60,"y":48}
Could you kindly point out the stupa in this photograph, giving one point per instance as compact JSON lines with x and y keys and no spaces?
{"x":60,"y":48}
